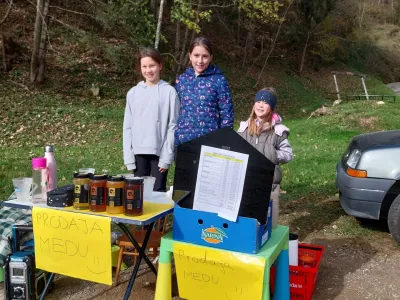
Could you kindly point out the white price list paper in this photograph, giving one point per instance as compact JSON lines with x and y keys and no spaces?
{"x":220,"y":181}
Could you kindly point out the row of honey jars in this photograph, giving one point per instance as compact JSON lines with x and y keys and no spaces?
{"x":114,"y":194}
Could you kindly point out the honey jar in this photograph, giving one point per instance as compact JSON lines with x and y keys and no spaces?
{"x":133,"y":196}
{"x":115,"y":192}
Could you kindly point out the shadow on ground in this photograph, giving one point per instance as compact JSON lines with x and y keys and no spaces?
{"x":309,"y":215}
{"x":341,"y":259}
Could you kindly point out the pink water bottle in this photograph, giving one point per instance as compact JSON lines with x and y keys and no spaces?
{"x":39,"y":180}
{"x":51,"y":166}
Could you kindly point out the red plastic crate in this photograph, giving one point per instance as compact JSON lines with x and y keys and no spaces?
{"x":302,"y":279}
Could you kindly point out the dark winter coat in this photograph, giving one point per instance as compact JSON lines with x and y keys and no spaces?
{"x":206,"y":103}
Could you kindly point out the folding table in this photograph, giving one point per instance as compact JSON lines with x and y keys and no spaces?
{"x":159,"y":206}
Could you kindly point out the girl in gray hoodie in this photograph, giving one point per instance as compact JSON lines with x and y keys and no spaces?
{"x":152,"y":109}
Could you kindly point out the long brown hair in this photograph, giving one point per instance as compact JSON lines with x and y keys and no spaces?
{"x":148,"y":52}
{"x":266,"y":123}
{"x":203,"y":42}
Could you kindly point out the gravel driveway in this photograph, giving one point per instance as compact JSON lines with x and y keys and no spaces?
{"x":352,"y":269}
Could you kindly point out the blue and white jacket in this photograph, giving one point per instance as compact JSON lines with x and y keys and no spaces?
{"x":206,"y":103}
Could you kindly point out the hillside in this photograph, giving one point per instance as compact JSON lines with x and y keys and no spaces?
{"x":86,"y":129}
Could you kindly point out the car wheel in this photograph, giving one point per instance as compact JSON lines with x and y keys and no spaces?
{"x":394,"y":219}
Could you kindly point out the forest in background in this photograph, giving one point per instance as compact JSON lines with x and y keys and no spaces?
{"x":66,"y":66}
{"x":294,"y":35}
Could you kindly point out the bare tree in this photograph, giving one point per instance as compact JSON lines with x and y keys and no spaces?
{"x":313,"y":13}
{"x":158,"y":31}
{"x":36,"y":43}
{"x":303,"y":55}
{"x":362,"y":12}
{"x":274,"y":41}
{"x":43,"y":44}
{"x":6,"y":42}
{"x":176,"y":67}
{"x":183,"y":50}
{"x":39,"y":45}
{"x":7,"y":12}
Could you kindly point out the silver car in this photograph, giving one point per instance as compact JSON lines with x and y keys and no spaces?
{"x":368,"y":178}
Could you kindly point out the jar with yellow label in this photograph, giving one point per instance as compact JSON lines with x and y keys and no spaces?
{"x":81,"y":190}
{"x":115,"y":191}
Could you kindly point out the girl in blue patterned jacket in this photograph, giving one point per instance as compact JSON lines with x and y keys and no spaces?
{"x":206,"y":101}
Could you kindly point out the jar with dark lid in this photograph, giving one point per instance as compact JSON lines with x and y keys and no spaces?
{"x":115,"y":192}
{"x":133,"y":196}
{"x":81,"y":190}
{"x":97,"y":192}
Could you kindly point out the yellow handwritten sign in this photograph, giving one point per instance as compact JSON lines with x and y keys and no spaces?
{"x":76,"y":245}
{"x":205,"y":273}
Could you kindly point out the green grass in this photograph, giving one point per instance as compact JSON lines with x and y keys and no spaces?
{"x":309,"y":180}
{"x":87,"y":132}
{"x":319,"y":142}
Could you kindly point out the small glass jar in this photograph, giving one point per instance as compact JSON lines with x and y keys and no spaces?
{"x":115,"y":191}
{"x":97,"y":192}
{"x":133,"y":196}
{"x":81,"y":190}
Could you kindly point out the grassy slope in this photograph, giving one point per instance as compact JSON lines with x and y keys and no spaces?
{"x":87,"y":133}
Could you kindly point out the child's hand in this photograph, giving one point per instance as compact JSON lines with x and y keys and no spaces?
{"x":162,"y":170}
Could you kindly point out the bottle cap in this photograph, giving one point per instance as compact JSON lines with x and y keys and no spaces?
{"x":49,"y":148}
{"x":134,"y":180}
{"x":81,"y":175}
{"x":97,"y":176}
{"x":115,"y":178}
{"x":39,"y":163}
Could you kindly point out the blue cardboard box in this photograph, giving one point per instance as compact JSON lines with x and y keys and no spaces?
{"x":249,"y":233}
{"x":245,"y":235}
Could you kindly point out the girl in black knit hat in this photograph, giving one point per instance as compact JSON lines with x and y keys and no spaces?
{"x":264,"y":131}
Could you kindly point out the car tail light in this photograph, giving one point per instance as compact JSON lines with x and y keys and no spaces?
{"x":353,"y":158}
{"x":356,"y":173}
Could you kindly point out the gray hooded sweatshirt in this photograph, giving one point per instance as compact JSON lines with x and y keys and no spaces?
{"x":151,"y":114}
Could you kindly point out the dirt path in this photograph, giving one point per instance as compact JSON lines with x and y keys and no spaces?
{"x":351,"y":269}
{"x":355,"y":269}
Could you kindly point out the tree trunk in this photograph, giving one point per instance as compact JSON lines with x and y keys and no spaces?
{"x":153,"y":5}
{"x":43,"y":42}
{"x":36,"y":42}
{"x":362,"y":13}
{"x":303,"y":56}
{"x":177,"y":45}
{"x":245,"y":52}
{"x":186,"y":60}
{"x":7,"y":13}
{"x":5,"y":60}
{"x":177,"y":38}
{"x":249,"y":46}
{"x":273,"y":42}
{"x":183,"y":51}
{"x":238,"y":27}
{"x":251,"y":42}
{"x":158,"y":31}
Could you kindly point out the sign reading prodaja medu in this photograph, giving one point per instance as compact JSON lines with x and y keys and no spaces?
{"x":72,"y":244}
{"x":206,"y":273}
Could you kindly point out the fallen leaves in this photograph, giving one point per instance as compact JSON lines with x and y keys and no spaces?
{"x":36,"y":119}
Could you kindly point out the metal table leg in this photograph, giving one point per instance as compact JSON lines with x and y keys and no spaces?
{"x":47,"y":287}
{"x":141,"y":255}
